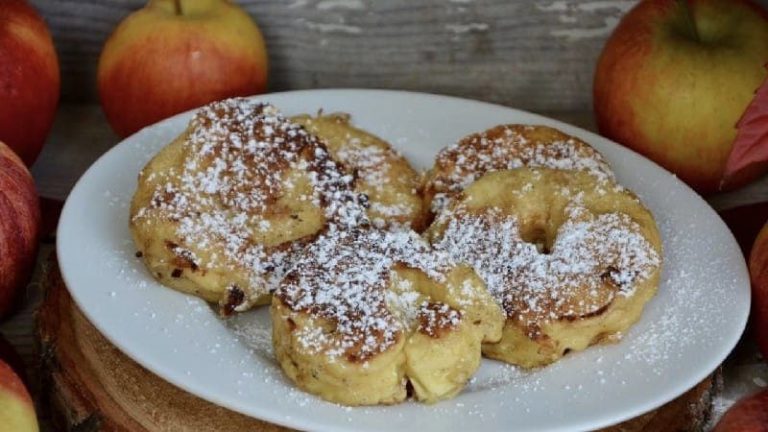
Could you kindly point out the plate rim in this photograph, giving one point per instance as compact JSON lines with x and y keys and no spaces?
{"x":305,"y":424}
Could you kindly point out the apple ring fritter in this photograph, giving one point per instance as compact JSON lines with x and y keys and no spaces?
{"x":507,"y":147}
{"x":381,"y":173}
{"x":571,"y":260}
{"x":366,"y":312}
{"x":221,"y":210}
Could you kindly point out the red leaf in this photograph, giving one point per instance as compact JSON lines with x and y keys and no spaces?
{"x":751,"y":144}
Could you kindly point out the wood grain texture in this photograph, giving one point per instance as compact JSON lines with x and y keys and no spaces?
{"x":536,"y":55}
{"x":91,"y":386}
{"x":80,"y":135}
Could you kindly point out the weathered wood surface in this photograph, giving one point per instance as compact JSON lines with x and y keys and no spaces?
{"x":536,"y":55}
{"x":85,"y":394}
{"x":80,"y":135}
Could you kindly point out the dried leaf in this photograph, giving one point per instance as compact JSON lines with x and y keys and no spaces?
{"x":751,"y":144}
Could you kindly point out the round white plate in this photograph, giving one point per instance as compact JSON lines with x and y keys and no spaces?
{"x":685,"y":332}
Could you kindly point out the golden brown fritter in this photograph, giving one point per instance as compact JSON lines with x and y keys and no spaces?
{"x":571,"y":259}
{"x":221,"y":210}
{"x":507,"y":147}
{"x":365,"y":312}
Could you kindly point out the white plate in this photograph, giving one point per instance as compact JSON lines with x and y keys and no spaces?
{"x":685,"y":332}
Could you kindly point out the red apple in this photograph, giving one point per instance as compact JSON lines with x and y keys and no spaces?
{"x":758,"y":272}
{"x":175,"y":55}
{"x":675,"y":77}
{"x":29,"y":79}
{"x":19,"y":227}
{"x":17,"y":411}
{"x":747,"y":415}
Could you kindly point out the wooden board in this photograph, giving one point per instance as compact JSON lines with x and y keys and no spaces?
{"x":91,"y":386}
{"x":537,"y":55}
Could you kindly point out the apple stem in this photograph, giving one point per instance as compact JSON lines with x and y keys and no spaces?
{"x":177,"y":7}
{"x":689,"y":19}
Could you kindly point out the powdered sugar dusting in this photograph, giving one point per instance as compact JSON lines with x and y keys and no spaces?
{"x":371,"y":165}
{"x":343,"y":277}
{"x":237,"y":157}
{"x":593,"y":259}
{"x":369,"y":161}
{"x":508,"y":147}
{"x":381,"y":172}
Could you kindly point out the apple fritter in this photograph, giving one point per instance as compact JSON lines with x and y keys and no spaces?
{"x":381,"y":173}
{"x":366,"y":312}
{"x":507,"y":147}
{"x":221,"y":211}
{"x":571,"y":260}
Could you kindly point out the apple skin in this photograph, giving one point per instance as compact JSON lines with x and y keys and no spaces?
{"x":676,"y":98}
{"x":17,"y":411}
{"x":758,"y":272}
{"x":158,"y":63}
{"x":749,"y":414}
{"x":19,"y":227}
{"x":29,"y":79}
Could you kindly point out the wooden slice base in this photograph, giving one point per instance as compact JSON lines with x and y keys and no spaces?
{"x":92,"y":386}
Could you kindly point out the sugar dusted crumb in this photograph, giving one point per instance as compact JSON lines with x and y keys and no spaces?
{"x":505,"y":147}
{"x":344,"y":276}
{"x":535,"y":286}
{"x":237,"y":153}
{"x":370,"y":162}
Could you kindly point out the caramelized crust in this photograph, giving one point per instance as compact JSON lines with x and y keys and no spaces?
{"x":381,"y":173}
{"x":221,"y":211}
{"x":373,"y":307}
{"x":571,"y":259}
{"x":507,"y":147}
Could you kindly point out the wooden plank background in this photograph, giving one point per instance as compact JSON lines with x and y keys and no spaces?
{"x":536,"y":55}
